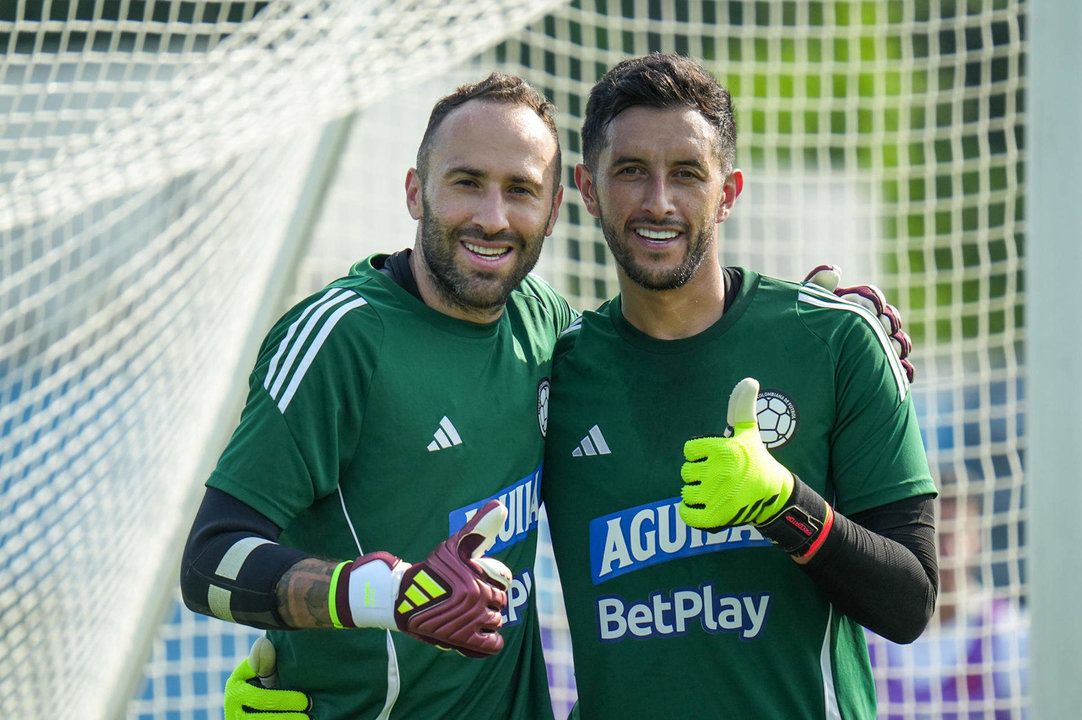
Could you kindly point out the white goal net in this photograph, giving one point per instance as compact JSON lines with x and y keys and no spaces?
{"x":173,"y":174}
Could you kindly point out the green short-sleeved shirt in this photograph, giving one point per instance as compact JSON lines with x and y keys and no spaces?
{"x":667,"y":619}
{"x":374,"y":421}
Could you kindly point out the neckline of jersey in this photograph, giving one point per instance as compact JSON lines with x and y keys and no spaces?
{"x":643,"y":342}
{"x":410,"y":303}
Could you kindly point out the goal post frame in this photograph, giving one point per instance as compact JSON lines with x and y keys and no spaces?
{"x":1054,"y":354}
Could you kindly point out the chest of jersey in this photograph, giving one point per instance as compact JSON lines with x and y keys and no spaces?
{"x":467,"y":423}
{"x":620,"y":410}
{"x":449,"y":421}
{"x":620,"y":416}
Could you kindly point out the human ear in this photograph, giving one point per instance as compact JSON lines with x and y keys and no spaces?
{"x":414,"y":190}
{"x":734,"y":183}
{"x":585,"y":182}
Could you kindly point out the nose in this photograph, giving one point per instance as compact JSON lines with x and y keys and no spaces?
{"x":657,"y":200}
{"x":491,"y":212}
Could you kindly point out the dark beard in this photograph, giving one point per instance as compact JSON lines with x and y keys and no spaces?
{"x":479,"y":291}
{"x":678,"y":277}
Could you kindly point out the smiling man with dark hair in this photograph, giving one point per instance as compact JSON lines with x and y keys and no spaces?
{"x":735,"y":586}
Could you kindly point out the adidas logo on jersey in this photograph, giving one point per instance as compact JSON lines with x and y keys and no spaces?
{"x":446,"y":436}
{"x":593,"y":444}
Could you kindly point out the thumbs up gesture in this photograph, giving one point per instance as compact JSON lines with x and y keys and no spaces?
{"x":452,"y":599}
{"x":733,"y":481}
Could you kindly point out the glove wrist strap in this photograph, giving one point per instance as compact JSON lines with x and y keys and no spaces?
{"x":363,"y":592}
{"x":803,"y":524}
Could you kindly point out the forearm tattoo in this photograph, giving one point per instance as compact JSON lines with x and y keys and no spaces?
{"x":303,"y":594}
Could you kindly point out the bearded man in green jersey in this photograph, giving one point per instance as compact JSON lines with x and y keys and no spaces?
{"x":403,"y":404}
{"x":735,"y":586}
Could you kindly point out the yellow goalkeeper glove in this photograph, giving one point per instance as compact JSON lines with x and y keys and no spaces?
{"x":251,"y":694}
{"x":733,"y":481}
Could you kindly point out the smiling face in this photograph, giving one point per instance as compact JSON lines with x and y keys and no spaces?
{"x":485,"y":207}
{"x":660,"y":190}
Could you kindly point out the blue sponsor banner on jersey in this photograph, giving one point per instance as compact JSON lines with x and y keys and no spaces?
{"x":522,"y":500}
{"x":641,"y":536}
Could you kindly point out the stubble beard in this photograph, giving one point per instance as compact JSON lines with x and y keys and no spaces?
{"x":647,"y":278}
{"x":475,"y":290}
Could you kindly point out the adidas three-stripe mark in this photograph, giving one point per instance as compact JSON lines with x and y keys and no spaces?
{"x":316,"y":322}
{"x":447,"y":436}
{"x":593,"y":444}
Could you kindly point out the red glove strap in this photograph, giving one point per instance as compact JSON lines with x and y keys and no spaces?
{"x":827,"y":525}
{"x":800,"y":528}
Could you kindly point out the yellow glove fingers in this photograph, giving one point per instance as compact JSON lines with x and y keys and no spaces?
{"x":242,"y":673}
{"x":695,"y":517}
{"x":715,"y":477}
{"x":696,"y":513}
{"x":711,"y":451}
{"x":725,"y":464}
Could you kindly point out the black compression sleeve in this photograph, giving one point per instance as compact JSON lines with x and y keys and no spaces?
{"x":879,"y":567}
{"x":231,"y":563}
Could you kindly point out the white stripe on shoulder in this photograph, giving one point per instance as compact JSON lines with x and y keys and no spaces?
{"x":313,"y":348}
{"x":281,"y":365}
{"x":818,"y":291}
{"x":575,"y":325}
{"x":309,"y":327}
{"x":814,"y":295}
{"x":286,"y":343}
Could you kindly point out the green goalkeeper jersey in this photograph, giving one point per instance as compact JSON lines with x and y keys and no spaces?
{"x":374,"y":422}
{"x":668,"y":620}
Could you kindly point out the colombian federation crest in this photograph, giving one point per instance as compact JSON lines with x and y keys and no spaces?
{"x":543,"y":406}
{"x":777,"y":417}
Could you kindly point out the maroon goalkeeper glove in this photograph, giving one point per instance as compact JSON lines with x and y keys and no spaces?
{"x":871,"y":298}
{"x":453,"y":599}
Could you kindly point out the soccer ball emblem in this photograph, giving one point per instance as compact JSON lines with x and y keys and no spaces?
{"x":543,"y":406}
{"x":777,"y":418}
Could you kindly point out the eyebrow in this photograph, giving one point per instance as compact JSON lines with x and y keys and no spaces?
{"x":481,"y":174}
{"x":691,"y":162}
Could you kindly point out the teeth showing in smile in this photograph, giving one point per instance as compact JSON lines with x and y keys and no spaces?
{"x":657,"y":234}
{"x":487,"y":251}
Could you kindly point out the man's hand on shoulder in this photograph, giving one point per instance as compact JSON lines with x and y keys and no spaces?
{"x":870,"y":297}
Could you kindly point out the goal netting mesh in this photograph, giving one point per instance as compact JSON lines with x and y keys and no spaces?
{"x":174,"y":174}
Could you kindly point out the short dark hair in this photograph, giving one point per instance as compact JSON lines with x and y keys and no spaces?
{"x":498,"y":88}
{"x":659,"y":81}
